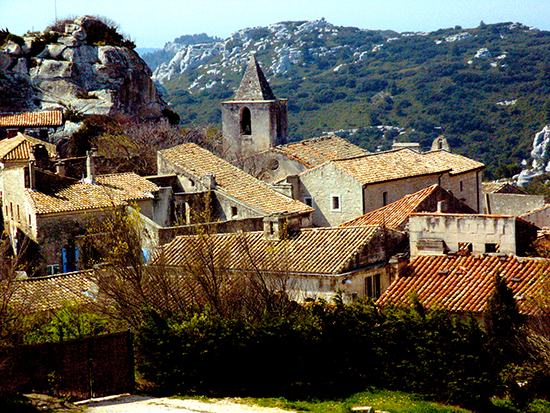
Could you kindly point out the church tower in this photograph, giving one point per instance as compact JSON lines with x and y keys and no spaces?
{"x":255,"y":119}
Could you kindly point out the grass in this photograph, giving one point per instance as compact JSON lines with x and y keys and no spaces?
{"x":384,"y":400}
{"x":392,"y":401}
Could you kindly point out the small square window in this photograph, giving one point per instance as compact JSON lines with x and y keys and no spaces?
{"x":308,"y":201}
{"x":234,"y":212}
{"x":492,"y":248}
{"x":335,"y":204}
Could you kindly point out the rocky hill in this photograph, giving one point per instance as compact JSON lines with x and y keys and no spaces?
{"x":487,"y":88}
{"x":80,"y":64}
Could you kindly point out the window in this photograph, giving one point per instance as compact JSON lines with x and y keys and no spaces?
{"x":384,"y":198}
{"x":461,"y":186}
{"x":308,"y":201}
{"x":52,"y":269}
{"x":492,"y":248}
{"x":372,"y":286}
{"x":18,"y":214}
{"x":246,"y":122}
{"x":234,"y":212}
{"x":335,"y":204}
{"x":464,"y":247}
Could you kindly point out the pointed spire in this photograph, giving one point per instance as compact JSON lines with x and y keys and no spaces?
{"x":254,"y":85}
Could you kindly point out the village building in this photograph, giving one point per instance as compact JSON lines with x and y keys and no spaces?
{"x":306,"y":263}
{"x":38,"y":124}
{"x":396,"y":215}
{"x":54,"y":211}
{"x":343,"y":189}
{"x":206,"y":188}
{"x":463,"y":284}
{"x":275,"y":164}
{"x":439,"y":233}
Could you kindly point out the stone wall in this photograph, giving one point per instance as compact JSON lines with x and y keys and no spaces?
{"x":324,"y":183}
{"x":466,"y":187}
{"x":269,"y":126}
{"x":512,"y":204}
{"x":480,"y":231}
{"x":374,"y":194}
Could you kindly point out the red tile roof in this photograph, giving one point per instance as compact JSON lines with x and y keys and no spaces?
{"x":19,"y":148}
{"x":465,"y":283}
{"x":30,"y":119}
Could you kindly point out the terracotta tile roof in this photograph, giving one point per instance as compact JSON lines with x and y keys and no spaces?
{"x":20,"y":147}
{"x":388,"y":166}
{"x":500,"y":188}
{"x":198,"y":162}
{"x":314,"y":152}
{"x":396,"y":214}
{"x":464,"y":283}
{"x":53,"y":292}
{"x":109,"y":191}
{"x":44,"y":118}
{"x":328,"y":251}
{"x":458,"y":163}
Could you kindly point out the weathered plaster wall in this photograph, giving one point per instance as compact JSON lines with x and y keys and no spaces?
{"x":321,"y":184}
{"x":512,"y":204}
{"x":478,"y":230}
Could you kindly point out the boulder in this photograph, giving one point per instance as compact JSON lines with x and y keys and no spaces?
{"x":92,"y":79}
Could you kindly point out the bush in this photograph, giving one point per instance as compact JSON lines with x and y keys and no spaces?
{"x":317,"y":349}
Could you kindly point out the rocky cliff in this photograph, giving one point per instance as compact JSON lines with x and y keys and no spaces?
{"x":69,"y":66}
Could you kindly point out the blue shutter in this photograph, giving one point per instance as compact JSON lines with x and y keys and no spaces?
{"x":76,"y":266}
{"x":64,"y":260}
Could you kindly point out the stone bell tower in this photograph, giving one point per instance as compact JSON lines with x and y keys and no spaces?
{"x":255,"y":119}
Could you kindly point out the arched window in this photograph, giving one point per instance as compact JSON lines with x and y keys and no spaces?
{"x":246,"y":122}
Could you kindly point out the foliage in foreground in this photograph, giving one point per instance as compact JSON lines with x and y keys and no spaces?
{"x":322,"y":349}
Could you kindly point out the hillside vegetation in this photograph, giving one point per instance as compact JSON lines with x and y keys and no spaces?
{"x":485,"y":88}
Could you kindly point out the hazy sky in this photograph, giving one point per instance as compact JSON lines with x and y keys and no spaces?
{"x":153,"y":23}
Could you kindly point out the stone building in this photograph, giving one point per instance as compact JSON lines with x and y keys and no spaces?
{"x":254,"y":120}
{"x":306,"y":263}
{"x":343,"y":189}
{"x":210,"y":189}
{"x":55,"y":211}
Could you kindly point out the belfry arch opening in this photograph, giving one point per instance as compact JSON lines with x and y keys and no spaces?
{"x":246,"y":122}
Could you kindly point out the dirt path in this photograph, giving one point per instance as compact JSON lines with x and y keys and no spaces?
{"x":142,"y":404}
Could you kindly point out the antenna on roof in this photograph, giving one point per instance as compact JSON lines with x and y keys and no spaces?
{"x":55,"y":9}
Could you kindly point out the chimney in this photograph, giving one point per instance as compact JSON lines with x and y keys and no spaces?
{"x":275,"y":227}
{"x":441,"y":206}
{"x":90,"y":167}
{"x":397,"y":264}
{"x":60,"y":168}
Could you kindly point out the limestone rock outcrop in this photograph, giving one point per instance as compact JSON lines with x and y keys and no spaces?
{"x":540,"y":157}
{"x":60,"y":68}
